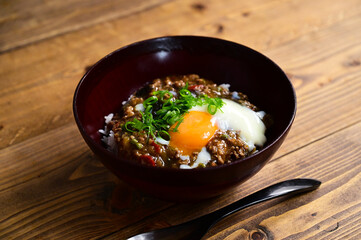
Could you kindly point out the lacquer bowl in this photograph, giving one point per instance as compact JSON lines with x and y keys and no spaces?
{"x":113,"y":78}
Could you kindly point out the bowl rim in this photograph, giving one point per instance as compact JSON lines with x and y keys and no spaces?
{"x":111,"y":155}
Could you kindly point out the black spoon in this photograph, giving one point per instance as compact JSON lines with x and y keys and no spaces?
{"x":197,"y":228}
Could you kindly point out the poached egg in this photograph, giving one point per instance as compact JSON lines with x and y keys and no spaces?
{"x":198,"y":127}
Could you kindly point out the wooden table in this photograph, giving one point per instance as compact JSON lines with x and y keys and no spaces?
{"x":51,"y":186}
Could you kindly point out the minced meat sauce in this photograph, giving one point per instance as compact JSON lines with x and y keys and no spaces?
{"x":223,"y":147}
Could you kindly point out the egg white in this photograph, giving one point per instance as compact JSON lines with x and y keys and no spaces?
{"x":233,"y":116}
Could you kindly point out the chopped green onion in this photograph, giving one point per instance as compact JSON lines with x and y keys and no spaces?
{"x":175,"y":129}
{"x":171,"y":111}
{"x":224,"y":136}
{"x":137,"y":144}
{"x":149,"y":101}
{"x":129,"y":126}
{"x":212,"y":109}
{"x":164,"y":135}
{"x":162,"y":93}
{"x":201,"y":165}
{"x":185,"y":93}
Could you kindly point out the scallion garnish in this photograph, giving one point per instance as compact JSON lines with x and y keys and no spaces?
{"x":171,"y":112}
{"x":137,"y":144}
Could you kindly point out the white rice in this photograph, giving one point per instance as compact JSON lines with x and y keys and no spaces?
{"x":110,"y":141}
{"x":235,"y":95}
{"x":108,"y":136}
{"x":161,"y":141}
{"x":225,"y":86}
{"x":103,"y":131}
{"x":184,"y":157}
{"x":185,"y":166}
{"x":139,"y":107}
{"x":108,"y":118}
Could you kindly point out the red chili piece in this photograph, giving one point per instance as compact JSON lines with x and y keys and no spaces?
{"x":148,"y":160}
{"x":191,"y":88}
{"x":156,"y":147}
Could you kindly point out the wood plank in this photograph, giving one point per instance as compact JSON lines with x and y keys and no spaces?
{"x":51,"y":76}
{"x":323,"y":71}
{"x":52,"y":186}
{"x":332,"y":210}
{"x":49,"y":71}
{"x":74,"y":194}
{"x":66,"y":186}
{"x":317,"y":219}
{"x":23,"y":22}
{"x":63,"y":190}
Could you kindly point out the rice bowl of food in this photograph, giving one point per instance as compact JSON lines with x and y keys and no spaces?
{"x":185,"y":122}
{"x":184,"y":118}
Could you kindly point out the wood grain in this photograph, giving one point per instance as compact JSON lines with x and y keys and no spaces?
{"x":66,"y":190}
{"x":84,"y":194}
{"x":23,"y":22}
{"x":55,"y":73}
{"x":313,"y":215}
{"x":53,"y":187}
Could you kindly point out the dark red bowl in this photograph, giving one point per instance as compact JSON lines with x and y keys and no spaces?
{"x":111,"y":80}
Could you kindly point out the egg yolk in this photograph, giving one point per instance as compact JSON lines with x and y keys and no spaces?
{"x":193,"y":133}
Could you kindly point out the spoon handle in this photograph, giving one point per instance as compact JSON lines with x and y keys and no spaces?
{"x":195,"y":229}
{"x":293,"y":187}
